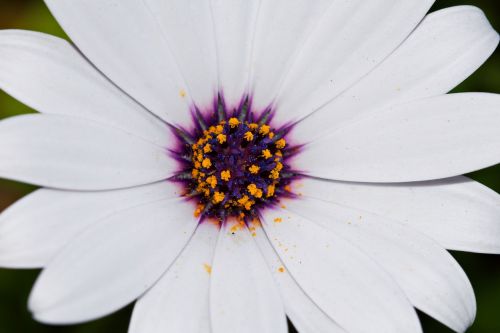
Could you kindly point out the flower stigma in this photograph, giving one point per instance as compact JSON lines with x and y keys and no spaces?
{"x":234,"y":163}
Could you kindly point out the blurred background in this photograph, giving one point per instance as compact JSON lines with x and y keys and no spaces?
{"x":15,"y":285}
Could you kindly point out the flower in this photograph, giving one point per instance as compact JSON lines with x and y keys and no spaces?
{"x":228,"y":163}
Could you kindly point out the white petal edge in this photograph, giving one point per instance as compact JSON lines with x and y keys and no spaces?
{"x":179,"y":302}
{"x":352,"y":38}
{"x":343,"y":281}
{"x":234,"y":25}
{"x":447,"y":47}
{"x":113,"y":263}
{"x":305,"y":315}
{"x":51,"y":76}
{"x":433,"y":281}
{"x":37,"y":227}
{"x":243,"y":294}
{"x":434,"y":138}
{"x":135,"y":56}
{"x":282,"y":29}
{"x":459,"y":213}
{"x":75,"y":154}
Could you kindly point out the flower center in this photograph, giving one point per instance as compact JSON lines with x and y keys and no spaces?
{"x":235,"y":164}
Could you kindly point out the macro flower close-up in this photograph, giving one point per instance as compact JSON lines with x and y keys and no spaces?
{"x":229,"y":165}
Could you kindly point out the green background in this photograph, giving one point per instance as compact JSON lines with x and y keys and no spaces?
{"x":483,"y":270}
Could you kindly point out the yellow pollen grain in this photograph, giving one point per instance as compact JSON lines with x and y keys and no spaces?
{"x":281,"y":143}
{"x":199,"y":157}
{"x":212,"y":181}
{"x":207,"y":268}
{"x":254,"y":169}
{"x":206,"y":163}
{"x":225,"y":175}
{"x":267,"y":153}
{"x":252,"y":189}
{"x":264,"y":129}
{"x":270,"y":190}
{"x":233,"y":122}
{"x":207,"y":149}
{"x":278,"y":220}
{"x":279,"y":153}
{"x":279,"y":166}
{"x":197,"y":165}
{"x":195,"y":173}
{"x":274,"y":174}
{"x":182,"y":93}
{"x":253,"y":126}
{"x":221,"y":138}
{"x":248,"y":136}
{"x":249,"y":205}
{"x":218,"y":197}
{"x":281,"y":269}
{"x":199,"y":210}
{"x":219,"y":129}
{"x":271,"y":135}
{"x":243,"y":200}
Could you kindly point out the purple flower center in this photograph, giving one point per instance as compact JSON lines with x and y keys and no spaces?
{"x":233,"y":162}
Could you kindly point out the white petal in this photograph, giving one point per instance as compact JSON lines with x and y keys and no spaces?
{"x":51,"y":76}
{"x":178,"y":303}
{"x":459,"y":213}
{"x":343,"y":281}
{"x":433,"y":281}
{"x":234,"y":23}
{"x":112,"y":263}
{"x":187,"y":25}
{"x":351,"y":39}
{"x":282,"y":28}
{"x":243,"y":295}
{"x":305,"y":315}
{"x":36,"y":227}
{"x":434,"y":138}
{"x":72,"y":153}
{"x":123,"y":39}
{"x":444,"y":49}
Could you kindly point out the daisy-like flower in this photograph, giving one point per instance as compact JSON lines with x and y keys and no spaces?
{"x":231,"y":163}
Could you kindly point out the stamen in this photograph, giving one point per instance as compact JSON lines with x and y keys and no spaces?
{"x":237,"y":163}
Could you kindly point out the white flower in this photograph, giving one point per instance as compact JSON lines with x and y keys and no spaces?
{"x":353,"y":224}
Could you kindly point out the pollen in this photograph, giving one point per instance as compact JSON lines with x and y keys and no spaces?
{"x":252,"y":189}
{"x":270,"y":190}
{"x":265,"y":129}
{"x":221,"y":138}
{"x":218,"y":197}
{"x":212,"y":181}
{"x":207,"y":149}
{"x":206,"y":163}
{"x":266,"y":153}
{"x":233,"y":122}
{"x":225,"y":175}
{"x":248,"y":136}
{"x":207,"y":268}
{"x":281,"y":143}
{"x":254,"y":169}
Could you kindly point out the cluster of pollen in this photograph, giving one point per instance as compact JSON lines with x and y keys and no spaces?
{"x":237,"y":164}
